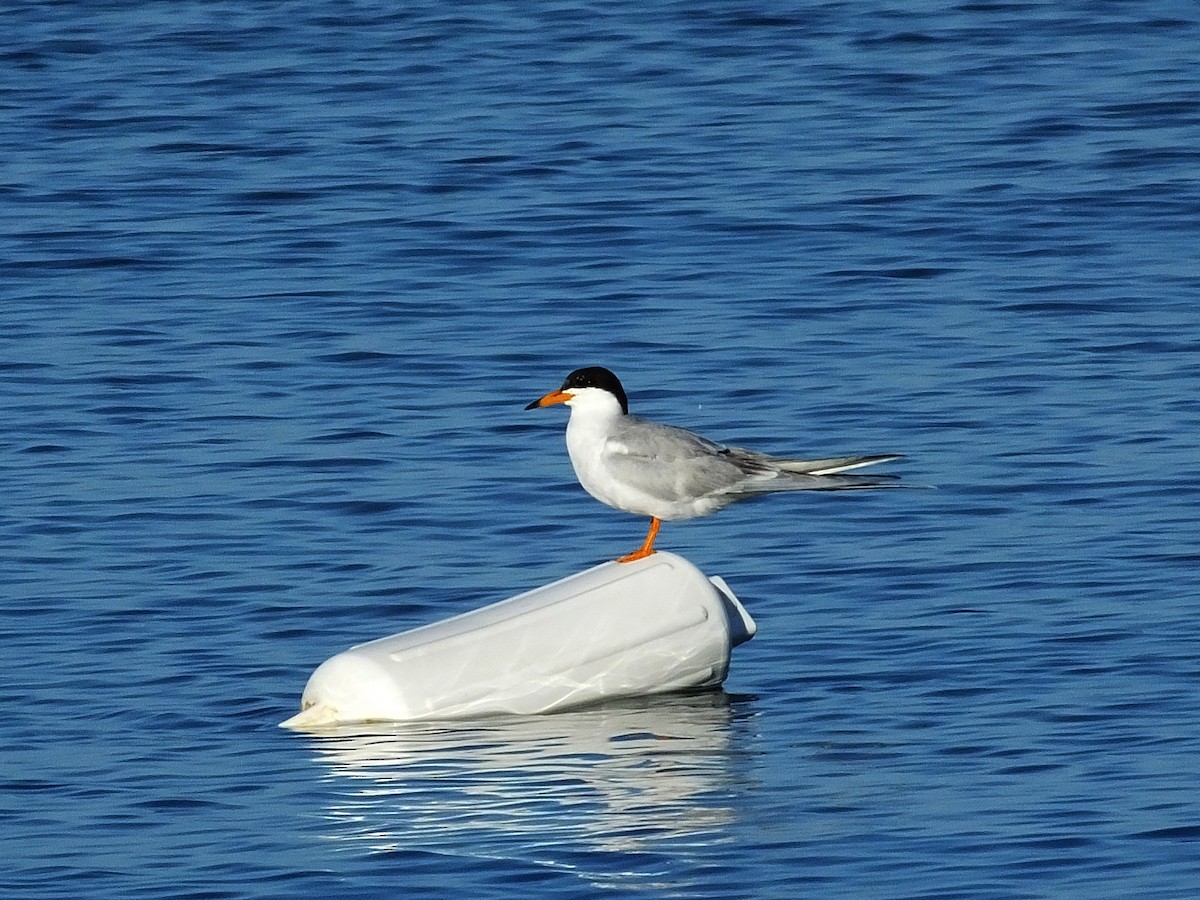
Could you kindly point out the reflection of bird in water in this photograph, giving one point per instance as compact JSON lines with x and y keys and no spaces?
{"x":670,"y":473}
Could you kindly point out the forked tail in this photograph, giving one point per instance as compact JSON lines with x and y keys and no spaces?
{"x":827,"y":474}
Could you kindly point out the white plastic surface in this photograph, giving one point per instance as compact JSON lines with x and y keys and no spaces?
{"x":616,"y":630}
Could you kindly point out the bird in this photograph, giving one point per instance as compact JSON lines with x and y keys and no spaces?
{"x":670,"y":473}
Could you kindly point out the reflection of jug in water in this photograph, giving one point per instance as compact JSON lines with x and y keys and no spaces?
{"x":620,"y":776}
{"x":648,"y":627}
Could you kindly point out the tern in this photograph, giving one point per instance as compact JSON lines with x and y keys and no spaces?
{"x":670,"y":473}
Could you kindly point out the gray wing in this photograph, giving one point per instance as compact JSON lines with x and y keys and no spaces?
{"x":671,"y":463}
{"x":676,"y":464}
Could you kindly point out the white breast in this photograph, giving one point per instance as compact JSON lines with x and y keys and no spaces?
{"x":596,"y":419}
{"x":587,"y":438}
{"x":590,"y":448}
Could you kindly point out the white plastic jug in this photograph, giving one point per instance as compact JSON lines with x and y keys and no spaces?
{"x":616,"y":630}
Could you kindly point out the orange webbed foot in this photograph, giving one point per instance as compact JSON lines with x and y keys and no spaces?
{"x":647,"y":547}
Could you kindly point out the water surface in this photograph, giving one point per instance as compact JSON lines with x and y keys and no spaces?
{"x":278,"y":282}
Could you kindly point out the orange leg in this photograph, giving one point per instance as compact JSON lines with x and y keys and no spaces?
{"x":647,"y":545}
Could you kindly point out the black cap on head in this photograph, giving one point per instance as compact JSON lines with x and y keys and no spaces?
{"x":598,"y":377}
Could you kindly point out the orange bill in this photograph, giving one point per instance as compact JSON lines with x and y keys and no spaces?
{"x":551,"y":398}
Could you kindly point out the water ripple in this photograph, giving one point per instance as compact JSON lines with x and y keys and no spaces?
{"x":279,"y":281}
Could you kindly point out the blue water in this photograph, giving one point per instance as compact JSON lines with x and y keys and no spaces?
{"x":276,"y":281}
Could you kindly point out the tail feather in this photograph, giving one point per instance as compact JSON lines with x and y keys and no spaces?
{"x":832,"y":466}
{"x":825,"y":475}
{"x":770,"y":474}
{"x":788,"y":482}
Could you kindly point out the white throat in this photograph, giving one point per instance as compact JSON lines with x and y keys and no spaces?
{"x":594,"y":412}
